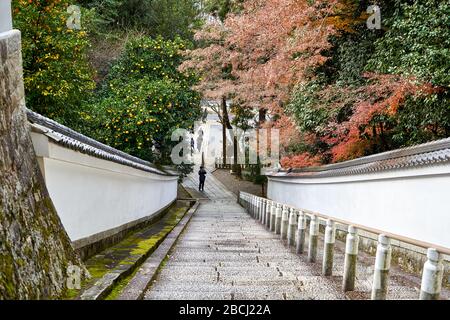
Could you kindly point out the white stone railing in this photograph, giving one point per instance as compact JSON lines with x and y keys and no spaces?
{"x":291,"y":224}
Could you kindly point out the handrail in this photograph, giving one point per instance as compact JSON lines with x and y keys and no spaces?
{"x":291,"y":228}
{"x":401,"y":238}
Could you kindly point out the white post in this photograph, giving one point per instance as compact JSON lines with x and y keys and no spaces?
{"x":268,"y":210}
{"x":260,"y":211}
{"x":351,"y":254}
{"x":5,"y":16}
{"x":301,"y":233}
{"x":330,"y":238}
{"x":382,"y":266}
{"x":273,"y":215}
{"x":432,"y":274}
{"x":284,"y":223}
{"x":258,"y":208}
{"x":292,"y":227}
{"x":278,"y":217}
{"x":253,"y":206}
{"x":263,"y":210}
{"x":313,"y":238}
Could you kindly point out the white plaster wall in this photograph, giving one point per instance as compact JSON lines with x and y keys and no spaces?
{"x":412,"y":203}
{"x":92,"y":195}
{"x":5,"y":15}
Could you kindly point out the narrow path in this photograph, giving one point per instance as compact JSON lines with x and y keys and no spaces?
{"x":214,"y":189}
{"x":225,"y":254}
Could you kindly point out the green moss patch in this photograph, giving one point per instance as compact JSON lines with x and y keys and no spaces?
{"x":130,"y":252}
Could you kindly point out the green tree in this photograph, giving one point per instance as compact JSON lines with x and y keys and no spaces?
{"x":57,"y":76}
{"x":417,"y":43}
{"x":168,"y":18}
{"x":145,"y":98}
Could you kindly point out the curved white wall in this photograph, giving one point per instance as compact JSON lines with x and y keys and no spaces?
{"x":93,"y":195}
{"x":411,"y":202}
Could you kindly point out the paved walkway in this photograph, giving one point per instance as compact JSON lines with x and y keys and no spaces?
{"x":225,"y":254}
{"x":214,"y":189}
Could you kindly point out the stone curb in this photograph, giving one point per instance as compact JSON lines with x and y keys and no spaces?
{"x":104,"y":285}
{"x":136,"y":288}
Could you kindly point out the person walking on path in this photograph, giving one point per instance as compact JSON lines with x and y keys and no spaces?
{"x":202,"y":177}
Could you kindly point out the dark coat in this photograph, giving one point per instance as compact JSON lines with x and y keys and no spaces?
{"x":202,"y":174}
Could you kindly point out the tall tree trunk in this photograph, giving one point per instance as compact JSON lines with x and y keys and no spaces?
{"x":224,"y":131}
{"x":225,"y":125}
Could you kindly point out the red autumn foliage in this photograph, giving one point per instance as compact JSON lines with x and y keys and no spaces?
{"x":383,"y":96}
{"x":300,"y":161}
{"x":258,"y":55}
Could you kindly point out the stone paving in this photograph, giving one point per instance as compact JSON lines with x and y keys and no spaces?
{"x":225,"y":254}
{"x":214,"y":189}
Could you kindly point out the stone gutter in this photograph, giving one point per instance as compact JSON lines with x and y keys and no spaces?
{"x":136,"y":288}
{"x":106,"y":284}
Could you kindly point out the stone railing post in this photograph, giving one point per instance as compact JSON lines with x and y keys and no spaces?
{"x":301,"y":233}
{"x":351,"y":254}
{"x":382,"y":266}
{"x":260,"y":211}
{"x":278,"y":217}
{"x":263,"y":210}
{"x":273,"y":215}
{"x":313,"y":238}
{"x":268,"y":210}
{"x":258,"y":208}
{"x":284,"y":223}
{"x":328,"y":252}
{"x":432,"y":274}
{"x":292,"y":229}
{"x":253,"y":206}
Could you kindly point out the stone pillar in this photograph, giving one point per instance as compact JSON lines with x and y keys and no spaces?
{"x":252,"y":211}
{"x":284,"y":223}
{"x":313,"y":238}
{"x":351,"y":254}
{"x":382,"y":266}
{"x":328,"y":251}
{"x":292,"y":229}
{"x":432,"y":274}
{"x":273,"y":215}
{"x":301,"y":233}
{"x":268,"y":210}
{"x":263,"y":211}
{"x":258,"y":208}
{"x":278,"y":217}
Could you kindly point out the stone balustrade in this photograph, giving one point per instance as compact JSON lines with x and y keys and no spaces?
{"x":266,"y":211}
